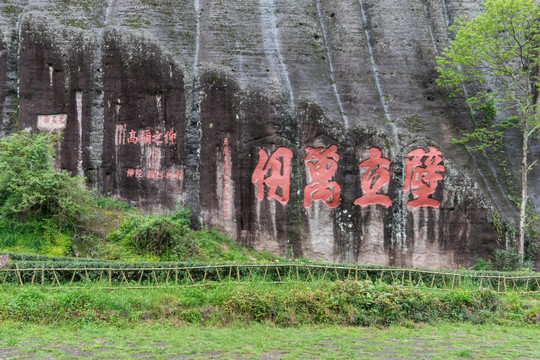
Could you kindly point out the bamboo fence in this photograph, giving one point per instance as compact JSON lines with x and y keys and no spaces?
{"x":152,"y":277}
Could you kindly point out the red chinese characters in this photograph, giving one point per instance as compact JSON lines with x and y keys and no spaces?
{"x":274,"y":172}
{"x":170,"y":137}
{"x":226,"y":178}
{"x":133,"y":139}
{"x":153,"y":174}
{"x":322,"y":164}
{"x":423,"y":171}
{"x":376,"y":176}
{"x":145,"y":136}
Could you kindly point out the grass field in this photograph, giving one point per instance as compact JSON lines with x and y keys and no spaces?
{"x":257,"y":341}
{"x":266,"y":321}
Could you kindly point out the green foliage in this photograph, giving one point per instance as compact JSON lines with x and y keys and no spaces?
{"x":508,"y":260}
{"x":290,"y":304}
{"x":156,"y":235}
{"x":49,"y":212}
{"x":498,"y":52}
{"x":360,"y":303}
{"x":501,"y":43}
{"x":168,"y":237}
{"x":482,"y":265}
{"x":31,"y":188}
{"x":40,"y":208}
{"x":109,"y":203}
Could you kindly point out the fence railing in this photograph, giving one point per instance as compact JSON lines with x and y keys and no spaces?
{"x":149,"y":277}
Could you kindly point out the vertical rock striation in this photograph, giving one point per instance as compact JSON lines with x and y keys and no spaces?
{"x":293,"y":126}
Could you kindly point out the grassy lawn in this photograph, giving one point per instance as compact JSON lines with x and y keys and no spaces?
{"x":257,"y":341}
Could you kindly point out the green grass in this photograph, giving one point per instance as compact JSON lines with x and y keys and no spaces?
{"x":256,"y":341}
{"x":288,"y":304}
{"x":120,"y":232}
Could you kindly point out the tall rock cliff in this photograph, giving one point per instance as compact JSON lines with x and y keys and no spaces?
{"x":311,"y":128}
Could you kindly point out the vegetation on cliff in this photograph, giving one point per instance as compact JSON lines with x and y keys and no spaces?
{"x":498,"y":53}
{"x":51,"y":212}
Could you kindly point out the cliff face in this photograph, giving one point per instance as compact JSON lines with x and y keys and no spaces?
{"x":312,"y":128}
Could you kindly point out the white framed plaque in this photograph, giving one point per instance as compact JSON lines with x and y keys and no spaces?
{"x":52,"y":122}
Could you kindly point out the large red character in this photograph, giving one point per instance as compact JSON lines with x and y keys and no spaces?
{"x":423,"y":171}
{"x":376,"y":176}
{"x":322,"y":164}
{"x":274,"y":173}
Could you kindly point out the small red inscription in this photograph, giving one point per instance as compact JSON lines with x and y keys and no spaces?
{"x":120,"y":134}
{"x":274,"y":172}
{"x":226,"y":178}
{"x":132,"y":139}
{"x":156,"y":137}
{"x":170,"y":137}
{"x":322,"y":164}
{"x":423,"y":171}
{"x":145,"y":136}
{"x":376,"y":176}
{"x":153,"y":174}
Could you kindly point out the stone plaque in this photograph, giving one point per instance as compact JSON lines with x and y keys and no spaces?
{"x":52,"y":122}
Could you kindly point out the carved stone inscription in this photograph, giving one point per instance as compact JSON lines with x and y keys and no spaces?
{"x":424,"y":170}
{"x":51,"y":122}
{"x":151,"y":141}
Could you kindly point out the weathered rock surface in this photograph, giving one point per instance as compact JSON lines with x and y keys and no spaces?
{"x":173,"y":102}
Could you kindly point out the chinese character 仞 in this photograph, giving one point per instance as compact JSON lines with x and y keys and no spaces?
{"x":322,"y":164}
{"x":274,"y":173}
{"x":423,"y":171}
{"x":376,"y":176}
{"x":170,"y":136}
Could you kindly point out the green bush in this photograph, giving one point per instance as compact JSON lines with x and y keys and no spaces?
{"x":30,"y":187}
{"x":348,"y":303}
{"x":50,"y":212}
{"x":360,"y":303}
{"x":156,"y":235}
{"x":508,"y":260}
{"x":168,"y":237}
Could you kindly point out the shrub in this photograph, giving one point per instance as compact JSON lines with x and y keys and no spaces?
{"x":508,"y":260}
{"x":31,"y":187}
{"x":154,"y":234}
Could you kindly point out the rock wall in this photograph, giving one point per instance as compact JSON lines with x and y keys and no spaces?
{"x":310,"y":128}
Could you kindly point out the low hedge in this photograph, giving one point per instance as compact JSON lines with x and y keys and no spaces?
{"x":351,"y":303}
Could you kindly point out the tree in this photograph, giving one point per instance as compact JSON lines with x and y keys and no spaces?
{"x":498,"y":52}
